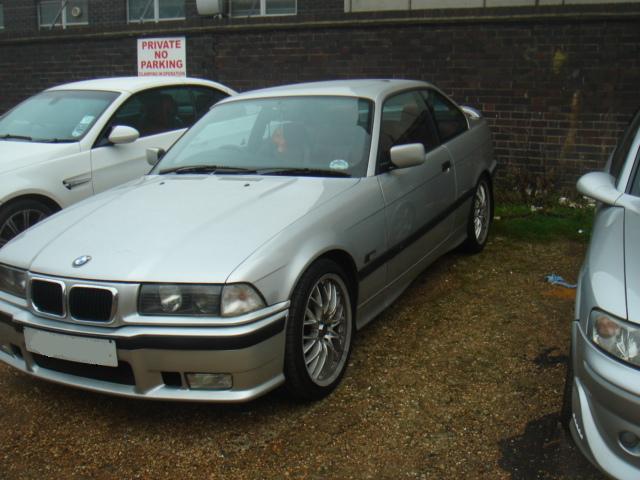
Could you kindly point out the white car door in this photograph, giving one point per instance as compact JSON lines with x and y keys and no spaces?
{"x":161,"y":116}
{"x":113,"y":165}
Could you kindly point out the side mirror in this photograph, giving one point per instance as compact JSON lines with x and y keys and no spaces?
{"x":123,"y":134}
{"x":154,"y":155}
{"x":409,"y":155}
{"x":600,"y":186}
{"x":472,"y":113}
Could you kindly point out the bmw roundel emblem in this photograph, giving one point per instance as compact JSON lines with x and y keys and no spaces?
{"x":80,"y":261}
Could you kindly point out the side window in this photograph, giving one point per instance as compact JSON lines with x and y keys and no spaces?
{"x":153,"y":111}
{"x":621,"y":152}
{"x":635,"y":187}
{"x":405,"y":119}
{"x":204,"y":98}
{"x":450,"y":120}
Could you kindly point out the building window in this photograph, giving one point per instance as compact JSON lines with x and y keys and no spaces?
{"x":63,"y":13}
{"x":1,"y":17}
{"x":155,"y":10}
{"x":250,"y":8}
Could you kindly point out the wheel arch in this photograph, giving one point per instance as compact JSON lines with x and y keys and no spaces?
{"x":48,"y":201}
{"x":346,"y":261}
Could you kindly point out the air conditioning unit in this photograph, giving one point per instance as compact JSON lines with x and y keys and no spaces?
{"x":210,"y":7}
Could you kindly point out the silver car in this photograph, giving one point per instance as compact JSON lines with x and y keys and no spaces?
{"x":602,"y":395}
{"x":281,"y":223}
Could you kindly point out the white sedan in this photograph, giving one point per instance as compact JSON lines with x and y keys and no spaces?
{"x":71,"y":141}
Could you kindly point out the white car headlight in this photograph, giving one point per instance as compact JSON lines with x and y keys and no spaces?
{"x":179,"y":299}
{"x":615,"y":336}
{"x":13,"y":281}
{"x":240,"y":298}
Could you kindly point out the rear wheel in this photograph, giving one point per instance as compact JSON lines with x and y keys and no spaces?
{"x":480,"y":217}
{"x":19,"y":215}
{"x":319,"y":332}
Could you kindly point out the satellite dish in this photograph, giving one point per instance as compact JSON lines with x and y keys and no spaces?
{"x":76,"y":12}
{"x":209,"y":7}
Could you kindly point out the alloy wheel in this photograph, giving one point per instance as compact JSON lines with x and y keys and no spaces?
{"x":326,"y":332}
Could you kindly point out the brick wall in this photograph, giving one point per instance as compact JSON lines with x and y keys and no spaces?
{"x":557,"y":90}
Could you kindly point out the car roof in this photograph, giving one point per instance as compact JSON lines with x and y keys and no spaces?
{"x":135,"y":84}
{"x":366,"y":88}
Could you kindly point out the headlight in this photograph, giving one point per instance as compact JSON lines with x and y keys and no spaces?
{"x":179,"y":299}
{"x":615,"y":336}
{"x":240,"y":298}
{"x":13,"y":281}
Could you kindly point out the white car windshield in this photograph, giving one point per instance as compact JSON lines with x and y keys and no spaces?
{"x":55,"y":116}
{"x":296,"y":135}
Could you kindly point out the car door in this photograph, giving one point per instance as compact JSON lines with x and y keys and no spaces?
{"x":161,"y":116}
{"x":416,"y":198}
{"x":462,"y":145}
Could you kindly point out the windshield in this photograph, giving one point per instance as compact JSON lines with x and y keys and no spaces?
{"x":55,"y":116}
{"x":313,"y":135}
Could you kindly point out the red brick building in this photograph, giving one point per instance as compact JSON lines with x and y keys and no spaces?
{"x":558,"y":79}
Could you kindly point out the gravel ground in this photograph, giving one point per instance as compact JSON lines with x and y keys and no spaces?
{"x":461,"y":378}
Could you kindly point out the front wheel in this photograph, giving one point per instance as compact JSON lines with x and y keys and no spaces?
{"x":319,"y":331}
{"x":480,"y":216}
{"x":19,"y":215}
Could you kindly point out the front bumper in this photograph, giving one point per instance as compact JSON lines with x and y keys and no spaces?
{"x":606,"y":403}
{"x":153,"y":360}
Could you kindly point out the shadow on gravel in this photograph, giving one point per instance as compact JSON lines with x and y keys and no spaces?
{"x":546,"y":359}
{"x":544,"y":451}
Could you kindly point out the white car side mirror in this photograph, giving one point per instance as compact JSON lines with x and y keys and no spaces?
{"x":123,"y":134}
{"x":154,"y":155}
{"x":409,"y":155}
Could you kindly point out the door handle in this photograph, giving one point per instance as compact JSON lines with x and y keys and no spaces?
{"x":446,"y":166}
{"x":70,"y":183}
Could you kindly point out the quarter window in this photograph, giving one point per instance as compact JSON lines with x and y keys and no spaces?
{"x":405,"y":119}
{"x":249,"y":8}
{"x":155,"y":10}
{"x":63,"y":13}
{"x":450,"y":120}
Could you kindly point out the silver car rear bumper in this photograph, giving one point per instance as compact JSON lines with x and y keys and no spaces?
{"x":603,"y":410}
{"x":153,"y":360}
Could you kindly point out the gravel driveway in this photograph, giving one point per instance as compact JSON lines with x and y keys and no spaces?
{"x":460,"y":378}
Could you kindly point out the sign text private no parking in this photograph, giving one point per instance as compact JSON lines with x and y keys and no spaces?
{"x":162,"y":56}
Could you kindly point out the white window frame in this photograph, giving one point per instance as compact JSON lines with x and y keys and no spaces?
{"x":63,"y":16}
{"x":263,"y":11}
{"x":156,"y":14}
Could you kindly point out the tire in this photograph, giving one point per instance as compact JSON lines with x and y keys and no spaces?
{"x":480,"y":216}
{"x":566,"y":409}
{"x":319,"y":332}
{"x":19,"y":215}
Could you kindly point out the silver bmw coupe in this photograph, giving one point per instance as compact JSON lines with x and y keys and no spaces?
{"x":282,"y":222}
{"x":602,"y":393}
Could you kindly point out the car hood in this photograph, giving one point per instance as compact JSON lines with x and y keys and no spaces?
{"x":17,"y":154}
{"x":170,"y":228}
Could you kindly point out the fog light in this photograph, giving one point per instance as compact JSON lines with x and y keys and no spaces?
{"x":210,"y":381}
{"x":629,"y":440}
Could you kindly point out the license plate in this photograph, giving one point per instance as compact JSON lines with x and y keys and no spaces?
{"x":94,"y":351}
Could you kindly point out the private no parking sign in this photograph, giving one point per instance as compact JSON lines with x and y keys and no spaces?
{"x":162,"y":56}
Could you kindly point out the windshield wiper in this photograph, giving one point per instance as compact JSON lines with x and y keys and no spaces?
{"x":10,"y":136}
{"x":306,"y":172}
{"x":206,"y":169}
{"x":54,"y":140}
